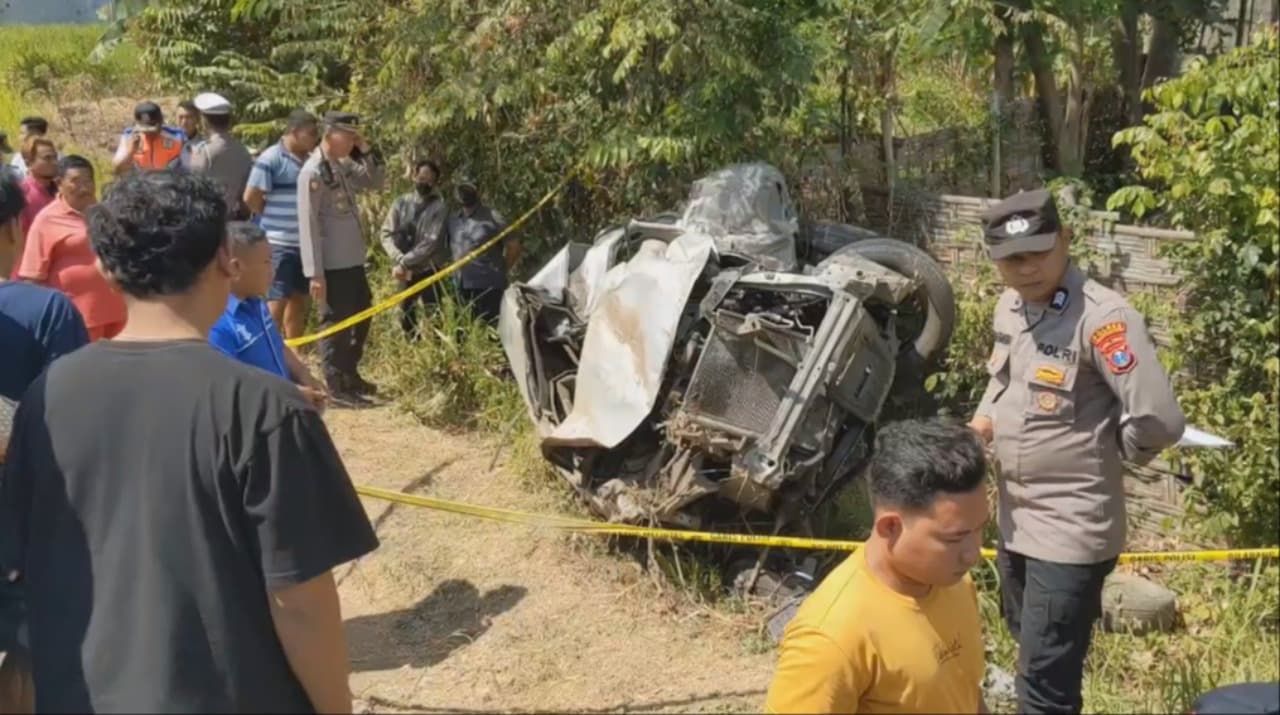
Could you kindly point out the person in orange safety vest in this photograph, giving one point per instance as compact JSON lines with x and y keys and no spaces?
{"x":149,"y":144}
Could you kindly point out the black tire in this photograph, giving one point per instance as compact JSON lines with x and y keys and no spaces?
{"x":934,"y":292}
{"x":819,"y":239}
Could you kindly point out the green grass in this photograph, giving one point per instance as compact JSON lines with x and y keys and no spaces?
{"x":455,"y":377}
{"x":44,"y":67}
{"x":1227,"y":634}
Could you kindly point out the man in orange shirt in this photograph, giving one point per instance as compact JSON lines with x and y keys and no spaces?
{"x":150,"y":144}
{"x":895,"y":628}
{"x":58,"y":253}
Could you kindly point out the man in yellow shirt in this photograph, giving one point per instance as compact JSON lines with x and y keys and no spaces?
{"x":895,"y":628}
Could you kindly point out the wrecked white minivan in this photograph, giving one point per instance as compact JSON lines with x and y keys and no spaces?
{"x":725,"y":364}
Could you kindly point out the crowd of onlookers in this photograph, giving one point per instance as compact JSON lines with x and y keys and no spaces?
{"x":300,"y":193}
{"x":154,"y":489}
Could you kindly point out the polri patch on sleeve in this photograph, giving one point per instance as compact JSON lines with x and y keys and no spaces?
{"x":1107,"y":334}
{"x":1112,"y":342}
{"x":1121,"y":360}
{"x":1061,"y":297}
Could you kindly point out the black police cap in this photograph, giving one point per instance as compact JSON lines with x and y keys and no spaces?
{"x":1026,"y":222}
{"x":345,"y":121}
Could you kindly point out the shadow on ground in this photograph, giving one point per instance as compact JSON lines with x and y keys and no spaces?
{"x":453,"y":616}
{"x":418,"y":484}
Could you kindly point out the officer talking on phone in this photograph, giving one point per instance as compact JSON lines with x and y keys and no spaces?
{"x":333,"y":247}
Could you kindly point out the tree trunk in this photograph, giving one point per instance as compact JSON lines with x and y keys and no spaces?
{"x":1001,"y":99}
{"x":1070,"y":138}
{"x":1242,"y":20}
{"x":846,"y":124}
{"x":1004,"y":66}
{"x":886,"y":122}
{"x":1126,"y":47}
{"x":1046,"y":88}
{"x":1163,"y":53}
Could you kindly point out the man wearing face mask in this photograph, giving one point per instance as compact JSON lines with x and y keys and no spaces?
{"x":412,"y":236}
{"x":1075,"y":390}
{"x":482,"y":281}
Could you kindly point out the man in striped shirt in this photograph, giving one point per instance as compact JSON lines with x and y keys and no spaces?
{"x":272,"y":195}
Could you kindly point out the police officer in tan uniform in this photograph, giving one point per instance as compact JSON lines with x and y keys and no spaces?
{"x":333,"y":246}
{"x":1075,"y":390}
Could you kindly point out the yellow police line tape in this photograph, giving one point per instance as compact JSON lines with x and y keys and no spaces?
{"x":584,"y":526}
{"x":432,"y":279}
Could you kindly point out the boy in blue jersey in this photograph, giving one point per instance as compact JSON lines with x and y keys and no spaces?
{"x":246,"y":331}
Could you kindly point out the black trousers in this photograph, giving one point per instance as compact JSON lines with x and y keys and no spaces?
{"x":1050,"y":609}
{"x":409,"y":308}
{"x":486,"y":303}
{"x":346,"y":293}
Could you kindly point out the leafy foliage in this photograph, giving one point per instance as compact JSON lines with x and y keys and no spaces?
{"x":644,"y":95}
{"x":963,"y":376}
{"x":268,"y":58}
{"x":1209,"y":156}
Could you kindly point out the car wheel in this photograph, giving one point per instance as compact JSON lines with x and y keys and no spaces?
{"x":819,"y":239}
{"x":934,"y":296}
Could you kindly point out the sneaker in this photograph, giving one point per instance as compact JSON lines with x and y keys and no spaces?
{"x":341,"y":393}
{"x":361,"y":386}
{"x":347,"y":399}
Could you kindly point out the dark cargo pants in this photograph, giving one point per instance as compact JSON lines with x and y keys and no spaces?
{"x":485,"y":303}
{"x":427,"y":298}
{"x":346,"y":293}
{"x":1050,"y":609}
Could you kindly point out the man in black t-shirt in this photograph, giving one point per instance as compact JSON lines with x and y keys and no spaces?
{"x":174,"y":515}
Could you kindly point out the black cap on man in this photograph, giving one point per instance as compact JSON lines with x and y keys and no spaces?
{"x":342,"y":121}
{"x":148,"y":117}
{"x":1026,"y":222}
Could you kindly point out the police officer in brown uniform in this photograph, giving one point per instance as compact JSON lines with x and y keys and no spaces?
{"x":333,"y":246}
{"x":1075,"y":390}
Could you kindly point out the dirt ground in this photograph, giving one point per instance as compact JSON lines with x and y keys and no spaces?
{"x":463,"y":615}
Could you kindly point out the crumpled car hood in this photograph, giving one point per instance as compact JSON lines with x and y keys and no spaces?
{"x":632,"y":313}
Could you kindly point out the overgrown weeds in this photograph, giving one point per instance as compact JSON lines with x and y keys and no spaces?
{"x":45,"y":71}
{"x":454,"y":377}
{"x":43,"y":66}
{"x":1227,"y":634}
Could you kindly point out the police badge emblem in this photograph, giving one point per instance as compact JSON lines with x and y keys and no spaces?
{"x":1016,"y":225}
{"x":1048,"y":401}
{"x":1060,"y":299}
